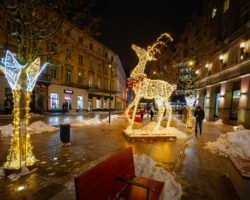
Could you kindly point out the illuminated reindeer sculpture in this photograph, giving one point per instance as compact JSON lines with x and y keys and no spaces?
{"x":147,"y":88}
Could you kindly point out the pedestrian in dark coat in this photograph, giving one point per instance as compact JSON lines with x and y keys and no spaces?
{"x":199,"y":115}
{"x":151,"y":112}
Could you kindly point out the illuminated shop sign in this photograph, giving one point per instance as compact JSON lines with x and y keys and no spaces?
{"x":68,"y":91}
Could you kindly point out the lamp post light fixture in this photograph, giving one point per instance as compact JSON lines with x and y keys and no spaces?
{"x":190,"y":63}
{"x":207,"y":65}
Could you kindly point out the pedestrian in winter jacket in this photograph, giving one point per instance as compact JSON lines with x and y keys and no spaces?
{"x":141,"y":113}
{"x":199,"y":116}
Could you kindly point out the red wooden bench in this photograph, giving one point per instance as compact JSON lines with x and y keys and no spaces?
{"x":114,"y":177}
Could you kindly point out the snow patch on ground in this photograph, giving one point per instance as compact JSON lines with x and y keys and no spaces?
{"x":218,"y":122}
{"x":148,"y":130}
{"x":7,"y":130}
{"x":231,"y":144}
{"x":36,"y":127}
{"x":42,"y":127}
{"x":145,"y":167}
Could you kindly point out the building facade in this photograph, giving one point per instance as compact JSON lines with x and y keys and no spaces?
{"x":120,"y":86}
{"x":224,"y":89}
{"x":83,"y":75}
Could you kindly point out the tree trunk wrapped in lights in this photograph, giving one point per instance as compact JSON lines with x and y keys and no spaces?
{"x":22,"y":79}
{"x":190,"y":102}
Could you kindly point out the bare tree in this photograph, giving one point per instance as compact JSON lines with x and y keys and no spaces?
{"x":28,"y":23}
{"x":193,"y":51}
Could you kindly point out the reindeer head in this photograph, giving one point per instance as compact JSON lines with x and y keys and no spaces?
{"x":152,"y":50}
{"x":140,"y":52}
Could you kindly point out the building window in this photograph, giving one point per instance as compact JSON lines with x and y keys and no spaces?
{"x":54,"y":72}
{"x":224,"y":32}
{"x":91,"y":79}
{"x":106,"y":70}
{"x":235,"y":104}
{"x":54,"y":47}
{"x":112,"y":85}
{"x":105,"y":103}
{"x":54,"y":101}
{"x":226,"y":5}
{"x":91,"y":62}
{"x":80,"y":40}
{"x":217,"y":104}
{"x":80,"y":59}
{"x":68,"y":75}
{"x":106,"y":55}
{"x":214,"y":12}
{"x":68,"y":54}
{"x":98,"y":103}
{"x":68,"y":32}
{"x":79,"y":103}
{"x":244,"y":14}
{"x":99,"y":82}
{"x":112,"y":58}
{"x":91,"y":46}
{"x":99,"y":67}
{"x":80,"y":78}
{"x":105,"y":83}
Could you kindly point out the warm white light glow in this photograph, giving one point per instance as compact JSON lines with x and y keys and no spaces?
{"x":221,"y":57}
{"x":197,"y":71}
{"x":147,"y":88}
{"x":207,"y":65}
{"x":19,"y":188}
{"x":191,"y":62}
{"x":214,"y":12}
{"x":242,"y":45}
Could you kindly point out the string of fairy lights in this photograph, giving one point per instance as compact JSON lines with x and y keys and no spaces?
{"x":21,"y":148}
{"x":190,"y":102}
{"x":147,"y":88}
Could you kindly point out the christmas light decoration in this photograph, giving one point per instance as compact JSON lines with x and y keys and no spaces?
{"x":190,"y":102}
{"x":150,"y":89}
{"x":21,"y":79}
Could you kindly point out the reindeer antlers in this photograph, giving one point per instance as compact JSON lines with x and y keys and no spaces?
{"x":152,"y":49}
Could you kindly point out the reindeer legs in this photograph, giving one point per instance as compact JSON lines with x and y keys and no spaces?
{"x":169,"y":111}
{"x":161,"y":110}
{"x":135,"y":104}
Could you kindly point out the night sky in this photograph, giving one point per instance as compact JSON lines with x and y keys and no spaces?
{"x":140,"y":22}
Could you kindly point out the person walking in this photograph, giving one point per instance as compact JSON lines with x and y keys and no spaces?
{"x":141,"y":113}
{"x":199,"y":115}
{"x":151,"y":111}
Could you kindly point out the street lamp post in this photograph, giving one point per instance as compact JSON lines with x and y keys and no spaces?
{"x":110,"y":65}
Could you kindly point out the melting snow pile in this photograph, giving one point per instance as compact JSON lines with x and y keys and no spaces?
{"x":145,"y":167}
{"x":231,"y":144}
{"x":219,"y":122}
{"x":42,"y":127}
{"x":96,"y":121}
{"x":7,"y":130}
{"x":148,"y":130}
{"x":36,"y":127}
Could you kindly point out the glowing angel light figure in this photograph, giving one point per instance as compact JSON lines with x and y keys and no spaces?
{"x":190,"y":102}
{"x":147,"y":88}
{"x":22,"y":79}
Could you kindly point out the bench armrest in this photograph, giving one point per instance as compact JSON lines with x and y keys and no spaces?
{"x":134,"y":183}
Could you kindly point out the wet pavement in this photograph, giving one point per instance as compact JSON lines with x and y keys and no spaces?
{"x":202,"y":174}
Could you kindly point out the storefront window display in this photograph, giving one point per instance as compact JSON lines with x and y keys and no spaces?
{"x":90,"y":105}
{"x":54,"y":101}
{"x":80,"y":103}
{"x":217,"y":103}
{"x":98,"y":103}
{"x":105,"y":103}
{"x":235,"y":104}
{"x":67,"y":101}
